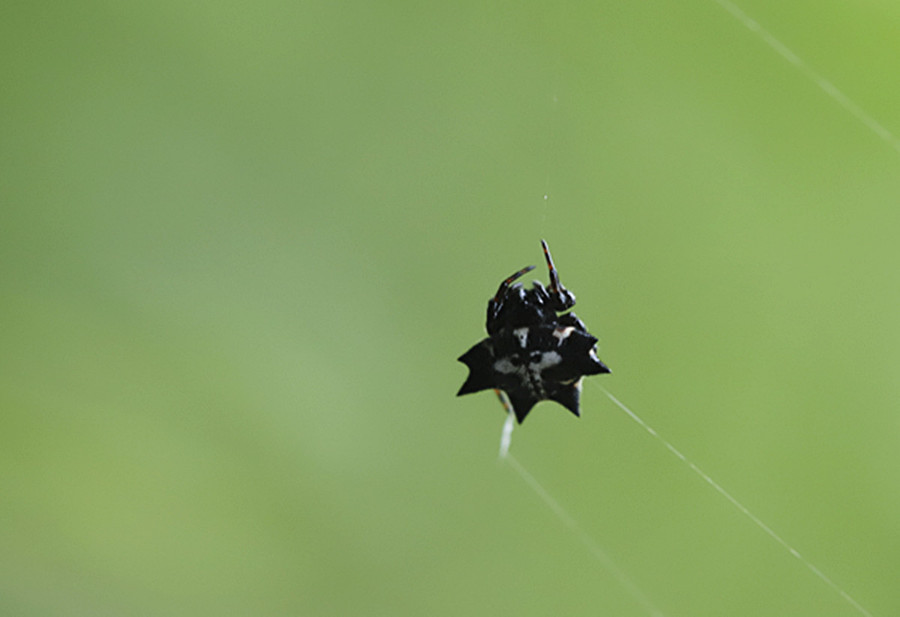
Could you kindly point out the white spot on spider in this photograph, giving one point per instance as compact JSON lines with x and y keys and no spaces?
{"x":522,"y":335}
{"x":535,"y":381}
{"x":548,"y":359}
{"x":562,"y":334}
{"x":503,"y":365}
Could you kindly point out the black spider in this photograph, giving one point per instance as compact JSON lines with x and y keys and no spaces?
{"x":531,"y":353}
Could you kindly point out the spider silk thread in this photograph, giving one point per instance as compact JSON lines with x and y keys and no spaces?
{"x":737,"y":504}
{"x":825,"y":85}
{"x":596,"y":550}
{"x":586,"y":539}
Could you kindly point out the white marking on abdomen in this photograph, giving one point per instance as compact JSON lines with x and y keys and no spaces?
{"x":522,"y":335}
{"x":562,"y":334}
{"x":548,"y":359}
{"x":503,"y":365}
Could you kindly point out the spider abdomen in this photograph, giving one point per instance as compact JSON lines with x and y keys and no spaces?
{"x":533,"y":353}
{"x":533,"y":364}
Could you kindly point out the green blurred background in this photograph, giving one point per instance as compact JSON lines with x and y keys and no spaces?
{"x":242,"y":244}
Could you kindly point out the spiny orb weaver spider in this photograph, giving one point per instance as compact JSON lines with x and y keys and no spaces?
{"x":531,"y":353}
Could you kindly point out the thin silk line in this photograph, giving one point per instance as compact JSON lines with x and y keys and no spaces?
{"x":829,"y":88}
{"x":595,"y":549}
{"x":506,"y":435}
{"x":737,"y":504}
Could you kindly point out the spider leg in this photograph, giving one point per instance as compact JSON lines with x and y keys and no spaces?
{"x":496,"y":303}
{"x":560,"y":298}
{"x":505,"y":284}
{"x":503,"y":400}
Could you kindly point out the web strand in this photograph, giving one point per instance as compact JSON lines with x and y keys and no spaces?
{"x":737,"y":504}
{"x":827,"y":87}
{"x":508,"y":426}
{"x":590,"y":544}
